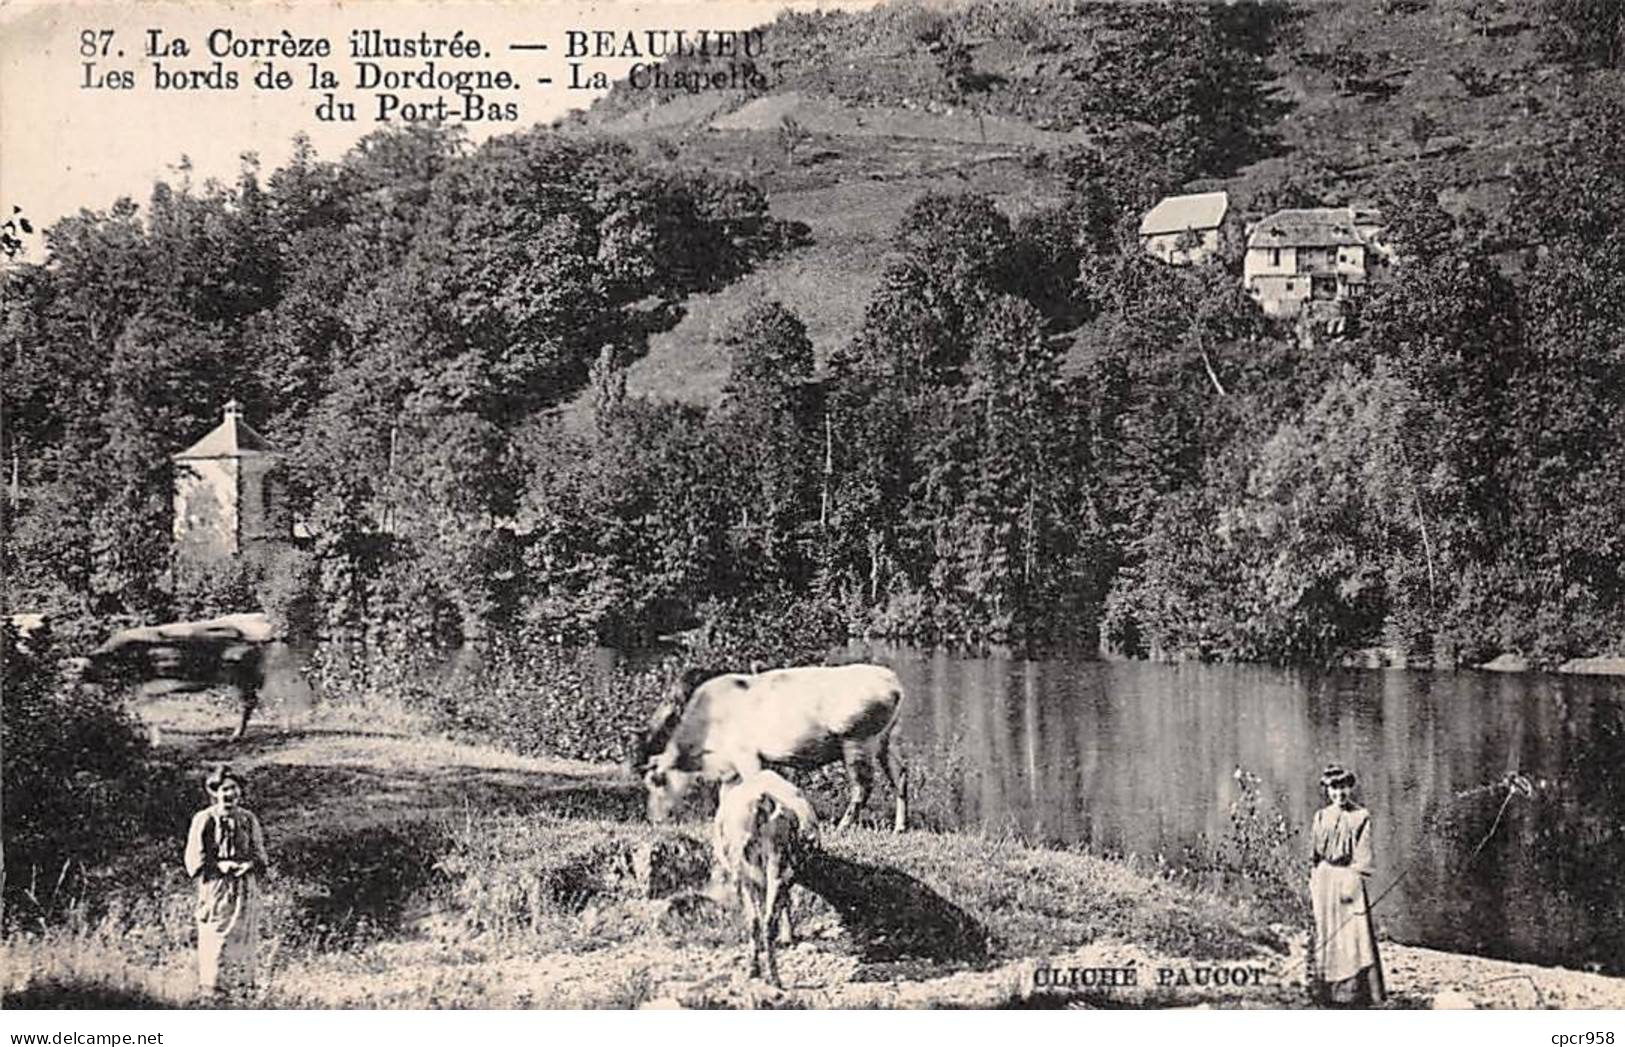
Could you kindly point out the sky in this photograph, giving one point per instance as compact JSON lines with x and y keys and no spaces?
{"x":66,"y":146}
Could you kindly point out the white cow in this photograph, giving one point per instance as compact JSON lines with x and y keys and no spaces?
{"x":719,"y":726}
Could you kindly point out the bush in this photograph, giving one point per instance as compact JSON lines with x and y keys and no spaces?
{"x":533,"y":695}
{"x":1261,"y":858}
{"x":289,"y":592}
{"x":208,"y":589}
{"x":541,"y":698}
{"x":78,"y":784}
{"x":1587,"y":31}
{"x":770,"y":631}
{"x":526,"y":694}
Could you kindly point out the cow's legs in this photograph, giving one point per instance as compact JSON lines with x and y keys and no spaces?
{"x":251,"y":701}
{"x":897,"y":777}
{"x":860,"y":769}
{"x":743,"y":767}
{"x":787,"y":927}
{"x":772,"y":906}
{"x":756,"y":920}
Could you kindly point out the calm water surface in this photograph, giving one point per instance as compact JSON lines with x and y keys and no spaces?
{"x":1136,"y":758}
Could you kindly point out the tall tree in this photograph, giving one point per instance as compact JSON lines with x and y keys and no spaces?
{"x":771,"y":424}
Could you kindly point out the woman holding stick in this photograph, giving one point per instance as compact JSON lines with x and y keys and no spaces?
{"x":1348,"y":971}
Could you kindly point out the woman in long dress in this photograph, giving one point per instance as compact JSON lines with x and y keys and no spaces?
{"x":1347,"y":969}
{"x":225,"y":854}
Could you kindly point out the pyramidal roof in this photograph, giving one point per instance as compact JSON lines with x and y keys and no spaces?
{"x":232,"y":438}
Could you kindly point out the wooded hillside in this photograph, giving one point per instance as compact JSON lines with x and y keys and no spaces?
{"x":876,"y":351}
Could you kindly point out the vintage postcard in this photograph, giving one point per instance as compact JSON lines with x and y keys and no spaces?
{"x":1041,"y":504}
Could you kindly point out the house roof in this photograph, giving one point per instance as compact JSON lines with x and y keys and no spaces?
{"x":232,"y":438}
{"x":1175,"y":214}
{"x":1308,"y":227}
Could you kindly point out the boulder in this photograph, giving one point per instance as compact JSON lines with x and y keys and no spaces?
{"x":669,"y":864}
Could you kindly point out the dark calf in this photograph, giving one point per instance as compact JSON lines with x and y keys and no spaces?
{"x":187,"y":656}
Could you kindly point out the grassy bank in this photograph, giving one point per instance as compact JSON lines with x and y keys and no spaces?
{"x":412,"y":872}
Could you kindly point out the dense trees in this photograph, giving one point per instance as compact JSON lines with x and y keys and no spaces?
{"x":1187,"y":80}
{"x":390,"y":320}
{"x":959,"y":477}
{"x":1038,"y":433}
{"x":1429,"y":482}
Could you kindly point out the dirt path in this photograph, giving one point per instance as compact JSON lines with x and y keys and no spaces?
{"x":332,"y":776}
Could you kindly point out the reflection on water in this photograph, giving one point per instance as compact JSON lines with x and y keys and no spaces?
{"x":1133,"y":757}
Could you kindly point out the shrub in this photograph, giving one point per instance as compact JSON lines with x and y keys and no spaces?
{"x":78,"y":783}
{"x":204,"y":589}
{"x":524,"y":694}
{"x":289,"y":592}
{"x":541,"y":698}
{"x":1260,"y":858}
{"x":774,"y":629}
{"x":530,"y":694}
{"x":1587,"y":31}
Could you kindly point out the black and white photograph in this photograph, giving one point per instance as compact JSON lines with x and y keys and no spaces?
{"x":1062,"y":505}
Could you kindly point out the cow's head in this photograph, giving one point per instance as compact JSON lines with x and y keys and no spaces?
{"x":647,"y":743}
{"x":656,"y":753}
{"x":666,"y":788}
{"x":643,"y":747}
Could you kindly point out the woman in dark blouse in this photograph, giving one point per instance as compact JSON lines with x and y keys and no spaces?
{"x":225,"y":854}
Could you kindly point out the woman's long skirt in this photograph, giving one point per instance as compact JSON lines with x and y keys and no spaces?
{"x":1347,"y":967}
{"x":228,"y":932}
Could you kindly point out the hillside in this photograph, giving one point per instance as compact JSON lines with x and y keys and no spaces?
{"x":1346,"y":96}
{"x":1040,"y":434}
{"x":852,"y":196}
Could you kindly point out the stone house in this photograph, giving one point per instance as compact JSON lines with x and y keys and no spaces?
{"x":1298,"y":258}
{"x":227,"y":492}
{"x":1184,"y":230}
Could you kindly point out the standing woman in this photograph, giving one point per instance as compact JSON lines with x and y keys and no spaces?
{"x":1348,"y":972}
{"x":225,"y":854}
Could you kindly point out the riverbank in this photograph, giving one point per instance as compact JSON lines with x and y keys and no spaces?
{"x":417,"y":872}
{"x":1393,"y":658}
{"x":1601,"y":665}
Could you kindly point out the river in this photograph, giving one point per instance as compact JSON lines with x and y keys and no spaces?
{"x":1142,"y":759}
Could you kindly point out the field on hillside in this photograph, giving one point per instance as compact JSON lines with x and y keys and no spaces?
{"x":851,"y":191}
{"x":1458,"y":92}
